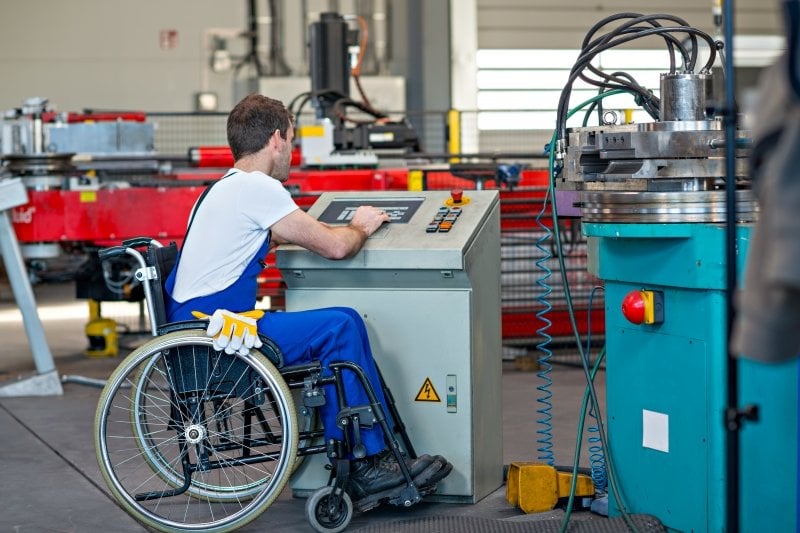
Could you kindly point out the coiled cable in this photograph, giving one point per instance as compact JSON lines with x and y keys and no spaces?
{"x":597,"y":458}
{"x":545,"y":439}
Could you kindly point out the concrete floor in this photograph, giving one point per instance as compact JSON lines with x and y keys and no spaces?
{"x":50,"y":480}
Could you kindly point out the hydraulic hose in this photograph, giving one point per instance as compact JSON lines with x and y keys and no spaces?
{"x":573,"y":322}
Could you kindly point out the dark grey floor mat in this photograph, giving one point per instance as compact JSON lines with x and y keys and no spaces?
{"x":474,"y":524}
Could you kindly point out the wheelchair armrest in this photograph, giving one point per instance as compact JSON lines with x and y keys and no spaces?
{"x":268,"y":348}
{"x":271,"y":351}
{"x":182,"y":325}
{"x":301,"y":370}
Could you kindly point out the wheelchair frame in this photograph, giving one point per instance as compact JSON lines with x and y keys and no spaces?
{"x":191,"y":439}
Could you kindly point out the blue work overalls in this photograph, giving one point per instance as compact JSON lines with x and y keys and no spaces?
{"x":328,"y":335}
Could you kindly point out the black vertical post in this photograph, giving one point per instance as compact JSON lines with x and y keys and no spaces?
{"x":731,"y":417}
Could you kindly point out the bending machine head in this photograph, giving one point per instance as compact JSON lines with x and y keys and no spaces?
{"x":668,"y":171}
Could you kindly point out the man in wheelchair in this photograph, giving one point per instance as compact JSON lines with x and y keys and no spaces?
{"x":231,"y":229}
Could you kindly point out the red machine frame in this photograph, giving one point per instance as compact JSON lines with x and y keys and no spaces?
{"x":104,"y":217}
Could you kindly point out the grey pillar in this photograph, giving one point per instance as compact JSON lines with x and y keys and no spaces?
{"x":12,"y":194}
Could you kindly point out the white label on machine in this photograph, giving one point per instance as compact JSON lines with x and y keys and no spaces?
{"x":655,"y":430}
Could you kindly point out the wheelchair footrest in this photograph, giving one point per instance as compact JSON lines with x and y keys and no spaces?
{"x":402,"y":496}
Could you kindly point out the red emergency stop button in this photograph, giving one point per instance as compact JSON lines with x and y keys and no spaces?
{"x":456,"y":195}
{"x":644,"y":307}
{"x":633,"y":307}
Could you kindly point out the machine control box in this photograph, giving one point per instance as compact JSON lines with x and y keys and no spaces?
{"x":431,"y":304}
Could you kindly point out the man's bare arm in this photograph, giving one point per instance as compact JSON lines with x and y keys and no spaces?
{"x":331,"y":242}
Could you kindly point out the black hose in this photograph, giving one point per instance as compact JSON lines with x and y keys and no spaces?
{"x":252,"y":33}
{"x":626,"y":33}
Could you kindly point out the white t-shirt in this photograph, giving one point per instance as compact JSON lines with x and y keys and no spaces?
{"x":228,"y":230}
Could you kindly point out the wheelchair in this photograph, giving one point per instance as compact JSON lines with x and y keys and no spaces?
{"x":191,"y":439}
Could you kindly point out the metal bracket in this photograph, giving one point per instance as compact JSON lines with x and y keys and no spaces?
{"x":734,"y":416}
{"x":313,"y":396}
{"x":146,"y":273}
{"x":364,"y":413}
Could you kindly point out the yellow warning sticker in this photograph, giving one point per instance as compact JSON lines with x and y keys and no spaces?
{"x":88,"y":196}
{"x":427,"y":393}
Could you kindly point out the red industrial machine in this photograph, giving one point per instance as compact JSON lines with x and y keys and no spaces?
{"x":83,"y":219}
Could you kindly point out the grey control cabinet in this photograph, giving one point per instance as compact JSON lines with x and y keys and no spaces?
{"x":431,"y":302}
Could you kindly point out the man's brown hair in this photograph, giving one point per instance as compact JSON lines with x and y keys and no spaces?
{"x":253,"y":121}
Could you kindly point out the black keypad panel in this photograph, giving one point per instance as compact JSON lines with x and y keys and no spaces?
{"x":444,"y":220}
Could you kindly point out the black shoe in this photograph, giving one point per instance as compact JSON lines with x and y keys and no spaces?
{"x":415,"y":466}
{"x":439,"y":469}
{"x":372,"y":475}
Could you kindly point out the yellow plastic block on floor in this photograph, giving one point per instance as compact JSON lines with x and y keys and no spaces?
{"x":537,"y":487}
{"x":101,"y":333}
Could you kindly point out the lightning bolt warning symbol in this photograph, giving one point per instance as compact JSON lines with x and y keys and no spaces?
{"x":427,"y":393}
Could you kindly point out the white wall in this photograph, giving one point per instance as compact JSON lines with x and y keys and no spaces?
{"x":106,"y":53}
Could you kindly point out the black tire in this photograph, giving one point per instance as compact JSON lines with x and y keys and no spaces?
{"x":325,"y":519}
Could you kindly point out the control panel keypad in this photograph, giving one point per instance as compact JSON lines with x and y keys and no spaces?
{"x":443,"y":220}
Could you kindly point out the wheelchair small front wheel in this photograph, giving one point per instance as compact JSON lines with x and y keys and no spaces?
{"x":328,"y":514}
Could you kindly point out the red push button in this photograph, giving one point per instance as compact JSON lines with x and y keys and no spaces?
{"x":456,"y":195}
{"x":633,"y":307}
{"x":644,"y":307}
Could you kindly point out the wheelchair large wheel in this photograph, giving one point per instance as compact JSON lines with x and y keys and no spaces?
{"x":188,"y":439}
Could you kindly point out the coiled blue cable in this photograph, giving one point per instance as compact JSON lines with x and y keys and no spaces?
{"x":597,"y":458}
{"x":545,"y":439}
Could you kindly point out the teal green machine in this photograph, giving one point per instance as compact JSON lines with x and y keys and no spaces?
{"x":652,"y":201}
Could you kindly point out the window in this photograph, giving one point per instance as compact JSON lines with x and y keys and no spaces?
{"x":520,"y":89}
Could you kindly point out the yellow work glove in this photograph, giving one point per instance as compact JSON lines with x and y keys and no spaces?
{"x":232,"y":332}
